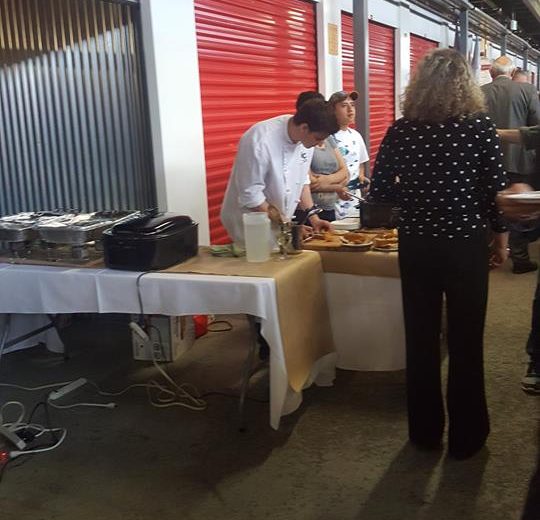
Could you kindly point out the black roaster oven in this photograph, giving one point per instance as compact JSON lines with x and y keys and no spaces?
{"x":150,"y":242}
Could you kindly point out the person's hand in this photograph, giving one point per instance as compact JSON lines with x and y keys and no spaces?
{"x":364,"y":184}
{"x":499,"y":250}
{"x":499,"y":255}
{"x":343,"y":194}
{"x":307,"y":231}
{"x":274,"y":214}
{"x":514,"y":209}
{"x":316,"y":182}
{"x":319,"y":225}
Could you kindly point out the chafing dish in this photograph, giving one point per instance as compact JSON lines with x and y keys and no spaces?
{"x":83,"y":228}
{"x":22,"y":226}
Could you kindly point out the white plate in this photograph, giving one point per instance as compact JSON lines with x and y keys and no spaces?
{"x":530,"y":196}
{"x":348,"y":223}
{"x":365,"y":245}
{"x":386,"y":249}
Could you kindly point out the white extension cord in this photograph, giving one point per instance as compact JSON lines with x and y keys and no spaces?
{"x":61,"y":392}
{"x":12,"y":437}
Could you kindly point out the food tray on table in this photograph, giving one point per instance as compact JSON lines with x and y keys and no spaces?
{"x":82,"y":228}
{"x":354,"y":241}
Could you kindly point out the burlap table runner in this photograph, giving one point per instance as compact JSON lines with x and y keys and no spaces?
{"x":370,"y":263}
{"x":302,"y":309}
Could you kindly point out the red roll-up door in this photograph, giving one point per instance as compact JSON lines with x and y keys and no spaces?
{"x":381,"y":76}
{"x":255,"y":56}
{"x":419,"y":47}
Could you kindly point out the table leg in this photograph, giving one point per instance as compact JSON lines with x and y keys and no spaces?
{"x":5,"y":334}
{"x":247,"y":370}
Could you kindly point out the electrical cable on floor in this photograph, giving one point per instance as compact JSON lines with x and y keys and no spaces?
{"x":235,"y":396}
{"x":162,"y":395}
{"x":34,"y":388}
{"x":26,"y":432}
{"x":139,"y":295}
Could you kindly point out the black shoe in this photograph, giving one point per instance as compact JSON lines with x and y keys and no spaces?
{"x":531,"y":381}
{"x":466,"y":448}
{"x":427,"y":446}
{"x":524,"y":267}
{"x":464,"y":453}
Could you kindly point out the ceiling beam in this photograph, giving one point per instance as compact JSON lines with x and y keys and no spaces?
{"x":534,"y":8}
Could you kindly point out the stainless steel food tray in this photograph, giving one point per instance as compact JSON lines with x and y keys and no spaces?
{"x":82,"y":228}
{"x":22,"y":226}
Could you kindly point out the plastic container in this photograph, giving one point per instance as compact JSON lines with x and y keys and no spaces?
{"x":257,"y":236}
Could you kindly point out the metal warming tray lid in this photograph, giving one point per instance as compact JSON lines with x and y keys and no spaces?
{"x":22,"y":226}
{"x":82,"y":228}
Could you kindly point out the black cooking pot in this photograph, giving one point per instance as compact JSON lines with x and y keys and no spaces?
{"x":378,"y":214}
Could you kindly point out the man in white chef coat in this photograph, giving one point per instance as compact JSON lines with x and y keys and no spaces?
{"x":272,"y":165}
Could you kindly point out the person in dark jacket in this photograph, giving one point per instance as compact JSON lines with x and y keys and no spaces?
{"x":518,"y":210}
{"x":513,"y":104}
{"x":445,"y":153}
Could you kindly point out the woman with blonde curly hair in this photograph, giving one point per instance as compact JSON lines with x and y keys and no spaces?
{"x":441,"y":164}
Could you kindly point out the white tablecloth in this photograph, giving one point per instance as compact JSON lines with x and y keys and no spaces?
{"x":57,"y":290}
{"x":367,"y":321}
{"x":21,"y":324}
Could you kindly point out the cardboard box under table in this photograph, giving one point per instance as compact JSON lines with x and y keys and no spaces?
{"x":288,"y":297}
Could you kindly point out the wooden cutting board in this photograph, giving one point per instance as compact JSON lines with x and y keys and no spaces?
{"x":323,"y":245}
{"x":319,"y":244}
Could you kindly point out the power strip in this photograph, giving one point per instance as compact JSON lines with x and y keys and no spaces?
{"x":61,"y":392}
{"x":12,"y":437}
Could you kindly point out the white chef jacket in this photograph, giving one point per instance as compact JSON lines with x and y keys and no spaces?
{"x":268,"y":167}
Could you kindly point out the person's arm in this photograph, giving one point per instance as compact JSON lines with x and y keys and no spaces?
{"x":509,"y":135}
{"x":306,"y":202}
{"x":513,"y":209}
{"x":493,"y":180}
{"x":383,"y":181}
{"x":251,"y":164}
{"x":533,"y":115}
{"x":332,"y":182}
{"x":529,"y":136}
{"x":499,"y":250}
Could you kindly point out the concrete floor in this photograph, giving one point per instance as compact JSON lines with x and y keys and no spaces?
{"x":343,"y":455}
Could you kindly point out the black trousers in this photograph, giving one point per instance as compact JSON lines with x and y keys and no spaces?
{"x":458,"y":269}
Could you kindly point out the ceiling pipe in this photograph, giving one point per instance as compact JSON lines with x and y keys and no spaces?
{"x":479,"y":22}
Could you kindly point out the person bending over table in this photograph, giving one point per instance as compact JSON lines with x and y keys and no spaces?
{"x":446,"y":155}
{"x":271,"y":169}
{"x":272,"y":165}
{"x":519,"y":210}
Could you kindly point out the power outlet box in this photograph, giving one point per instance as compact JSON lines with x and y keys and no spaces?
{"x":170,"y":337}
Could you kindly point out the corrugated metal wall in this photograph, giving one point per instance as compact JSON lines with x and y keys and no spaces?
{"x":255,"y":56}
{"x":381,"y":76}
{"x":73,"y":120}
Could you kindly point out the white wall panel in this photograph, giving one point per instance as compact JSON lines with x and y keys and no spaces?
{"x":175,"y":108}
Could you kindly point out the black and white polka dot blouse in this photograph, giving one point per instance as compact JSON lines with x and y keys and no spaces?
{"x":448,"y":175}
